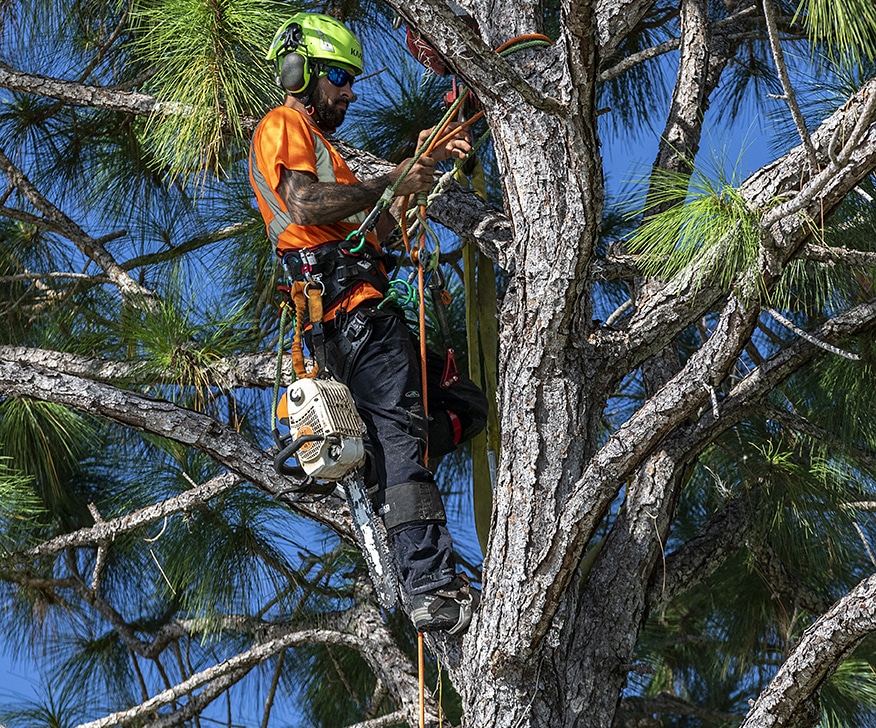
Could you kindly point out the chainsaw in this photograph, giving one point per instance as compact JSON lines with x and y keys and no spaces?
{"x":326,"y":438}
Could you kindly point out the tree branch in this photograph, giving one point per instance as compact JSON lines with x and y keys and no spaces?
{"x":815,"y":657}
{"x":839,"y":255}
{"x":736,"y":405}
{"x":195,"y":243}
{"x":616,"y":19}
{"x":240,"y":663}
{"x":187,"y":427}
{"x":634,"y":708}
{"x":244,"y":370}
{"x":699,"y":557}
{"x":796,"y":422}
{"x":684,"y":300}
{"x":199,"y":702}
{"x":492,"y":77}
{"x":107,"y":531}
{"x":790,"y":95}
{"x":98,"y":97}
{"x":853,"y":123}
{"x":384,"y":721}
{"x":89,"y":246}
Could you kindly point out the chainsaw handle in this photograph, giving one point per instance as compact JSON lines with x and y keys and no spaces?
{"x":293,"y":471}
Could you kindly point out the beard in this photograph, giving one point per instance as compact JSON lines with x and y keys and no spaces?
{"x":329,"y":114}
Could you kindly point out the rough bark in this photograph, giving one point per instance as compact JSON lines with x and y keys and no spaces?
{"x":791,"y":697}
{"x":553,"y":642}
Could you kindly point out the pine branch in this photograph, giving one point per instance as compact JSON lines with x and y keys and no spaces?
{"x":647,"y":54}
{"x":105,"y":532}
{"x":802,"y":425}
{"x":244,"y":370}
{"x":851,"y":123}
{"x":491,"y":76}
{"x":739,"y":402}
{"x":196,"y":704}
{"x":188,"y":246}
{"x":634,"y":708}
{"x":240,"y":663}
{"x":82,"y":277}
{"x":384,"y":721}
{"x":634,"y":59}
{"x":187,"y":427}
{"x":782,"y":583}
{"x":699,"y":557}
{"x":686,"y":299}
{"x":91,"y":247}
{"x":97,"y":97}
{"x":657,"y":417}
{"x":272,"y":689}
{"x":791,"y":696}
{"x":838,"y":256}
{"x":616,"y":20}
{"x":809,"y":337}
{"x":628,"y":447}
{"x":790,"y":94}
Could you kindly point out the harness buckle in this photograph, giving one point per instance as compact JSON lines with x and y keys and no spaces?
{"x":308,"y":262}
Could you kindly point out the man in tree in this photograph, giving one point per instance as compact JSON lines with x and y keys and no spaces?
{"x":311,"y":202}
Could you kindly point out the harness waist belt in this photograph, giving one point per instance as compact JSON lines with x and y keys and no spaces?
{"x":338,"y":269}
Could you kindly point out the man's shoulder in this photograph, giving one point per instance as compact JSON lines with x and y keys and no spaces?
{"x":286,"y":115}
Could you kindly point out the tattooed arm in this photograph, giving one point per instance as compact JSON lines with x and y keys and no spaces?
{"x":311,"y":202}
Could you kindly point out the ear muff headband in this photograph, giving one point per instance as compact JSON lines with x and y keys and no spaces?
{"x":293,"y":66}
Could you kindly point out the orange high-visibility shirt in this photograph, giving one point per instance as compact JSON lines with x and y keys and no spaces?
{"x":285,"y":138}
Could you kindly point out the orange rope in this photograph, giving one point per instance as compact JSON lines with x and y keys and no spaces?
{"x":421,"y":666}
{"x":522,"y":38}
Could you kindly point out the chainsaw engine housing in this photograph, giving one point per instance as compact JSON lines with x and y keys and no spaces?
{"x":324,"y":408}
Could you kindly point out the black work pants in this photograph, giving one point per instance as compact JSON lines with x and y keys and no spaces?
{"x":385,"y":381}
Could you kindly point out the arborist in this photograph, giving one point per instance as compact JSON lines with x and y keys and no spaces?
{"x":311,"y":202}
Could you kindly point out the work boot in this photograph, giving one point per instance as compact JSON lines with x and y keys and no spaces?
{"x":448,"y":608}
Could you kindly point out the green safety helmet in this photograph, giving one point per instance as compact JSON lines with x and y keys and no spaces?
{"x":308,"y":41}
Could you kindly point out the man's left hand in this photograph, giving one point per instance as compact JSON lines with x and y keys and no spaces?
{"x":457,"y":145}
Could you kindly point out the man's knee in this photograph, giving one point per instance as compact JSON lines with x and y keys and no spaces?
{"x":411,"y":503}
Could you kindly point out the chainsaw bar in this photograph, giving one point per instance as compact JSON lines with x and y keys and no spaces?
{"x":373,"y":540}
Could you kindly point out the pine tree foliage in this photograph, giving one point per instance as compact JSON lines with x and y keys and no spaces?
{"x":147,"y":550}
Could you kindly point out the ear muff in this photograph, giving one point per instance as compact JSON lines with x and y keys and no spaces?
{"x":295,"y":75}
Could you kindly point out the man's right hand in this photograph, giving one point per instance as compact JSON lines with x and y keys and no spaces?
{"x":419,"y":179}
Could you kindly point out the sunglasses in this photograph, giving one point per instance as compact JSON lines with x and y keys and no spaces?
{"x":338,"y":76}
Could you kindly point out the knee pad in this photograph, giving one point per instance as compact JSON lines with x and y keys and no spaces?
{"x":407,"y":504}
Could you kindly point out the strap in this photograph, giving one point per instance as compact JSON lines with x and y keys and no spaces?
{"x":313,"y":291}
{"x":407,"y":504}
{"x":300,"y":302}
{"x":337,"y":269}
